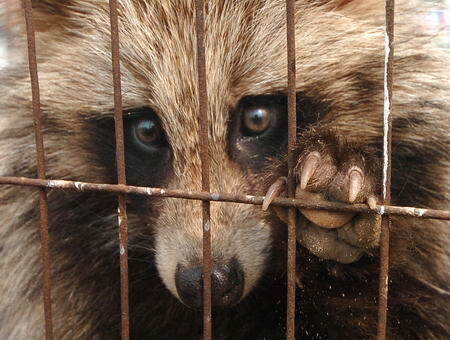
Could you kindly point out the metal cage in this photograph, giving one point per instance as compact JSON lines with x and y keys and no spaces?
{"x":121,"y":189}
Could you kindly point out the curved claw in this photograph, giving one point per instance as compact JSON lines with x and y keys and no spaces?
{"x":356,"y":179}
{"x":274,"y":191}
{"x":372,"y":202}
{"x":311,"y":163}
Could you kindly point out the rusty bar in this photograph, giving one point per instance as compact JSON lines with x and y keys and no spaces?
{"x":224,"y":197}
{"x":121,"y":176}
{"x":292,"y":134}
{"x":43,"y":203}
{"x":204,"y":156}
{"x":387,"y":151}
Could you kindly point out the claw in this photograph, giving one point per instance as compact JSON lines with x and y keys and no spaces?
{"x":275,"y":189}
{"x":372,"y":202}
{"x":311,"y":163}
{"x":355,"y":183}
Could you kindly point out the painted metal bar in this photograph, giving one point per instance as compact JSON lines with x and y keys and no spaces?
{"x":204,"y":156}
{"x":387,"y":152}
{"x":291,"y":183}
{"x":121,"y":176}
{"x":225,"y":197}
{"x":43,"y":203}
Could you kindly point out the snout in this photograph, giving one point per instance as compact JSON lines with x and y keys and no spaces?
{"x":227,"y":284}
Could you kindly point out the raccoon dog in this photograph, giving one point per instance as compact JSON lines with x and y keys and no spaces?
{"x":340,"y":69}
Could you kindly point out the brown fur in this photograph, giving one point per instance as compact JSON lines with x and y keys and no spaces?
{"x":340,"y":61}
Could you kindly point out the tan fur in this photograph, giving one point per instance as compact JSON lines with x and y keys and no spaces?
{"x":339,"y":48}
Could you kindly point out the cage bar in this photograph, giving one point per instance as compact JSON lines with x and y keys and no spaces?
{"x":43,"y":202}
{"x":292,"y":135}
{"x":204,"y":156}
{"x":121,"y":176}
{"x":387,"y":152}
{"x":224,"y":197}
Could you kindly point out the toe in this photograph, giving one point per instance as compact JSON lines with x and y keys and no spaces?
{"x":355,"y":183}
{"x":322,"y":218}
{"x":308,"y":168}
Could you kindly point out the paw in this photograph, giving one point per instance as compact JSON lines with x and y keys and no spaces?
{"x":331,"y":169}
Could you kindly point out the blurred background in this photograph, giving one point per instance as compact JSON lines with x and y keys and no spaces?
{"x":436,"y":21}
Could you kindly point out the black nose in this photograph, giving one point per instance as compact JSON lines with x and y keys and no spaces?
{"x":227,"y":284}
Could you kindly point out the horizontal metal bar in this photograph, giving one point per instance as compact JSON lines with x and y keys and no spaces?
{"x":224,"y":197}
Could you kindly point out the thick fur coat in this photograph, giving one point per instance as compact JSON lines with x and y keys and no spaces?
{"x":340,"y":69}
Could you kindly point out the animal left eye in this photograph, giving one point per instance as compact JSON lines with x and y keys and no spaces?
{"x":256,"y":120}
{"x":260,"y":115}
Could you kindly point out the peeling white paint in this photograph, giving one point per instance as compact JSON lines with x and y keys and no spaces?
{"x":55,"y":183}
{"x":78,"y":185}
{"x":386,"y":114}
{"x":215,"y":196}
{"x":206,"y":226}
{"x":119,"y":216}
{"x":122,"y":250}
{"x":420,"y":212}
{"x":381,"y":210}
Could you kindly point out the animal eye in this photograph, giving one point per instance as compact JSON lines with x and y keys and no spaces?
{"x":145,"y":131}
{"x":256,"y":120}
{"x":259,"y":118}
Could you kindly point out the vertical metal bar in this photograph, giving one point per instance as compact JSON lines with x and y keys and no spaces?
{"x":121,"y":177}
{"x":43,"y":203}
{"x":387,"y":148}
{"x":204,"y":155}
{"x":292,"y":134}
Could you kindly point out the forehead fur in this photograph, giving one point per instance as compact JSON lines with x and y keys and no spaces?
{"x":245,"y":54}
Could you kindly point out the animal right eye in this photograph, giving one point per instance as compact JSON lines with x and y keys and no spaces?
{"x":144,"y":131}
{"x":147,"y":132}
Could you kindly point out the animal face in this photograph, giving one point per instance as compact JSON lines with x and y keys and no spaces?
{"x":246,"y":81}
{"x":340,"y":65}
